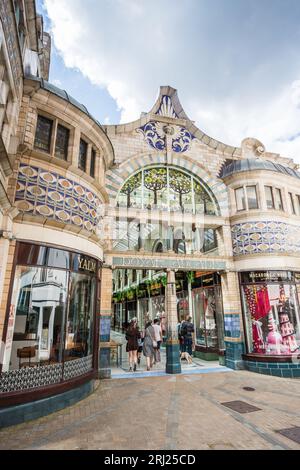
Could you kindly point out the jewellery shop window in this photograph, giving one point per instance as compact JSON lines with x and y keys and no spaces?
{"x":271,"y":312}
{"x":51,"y":314}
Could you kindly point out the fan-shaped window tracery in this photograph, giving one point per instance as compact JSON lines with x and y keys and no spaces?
{"x":168,"y":189}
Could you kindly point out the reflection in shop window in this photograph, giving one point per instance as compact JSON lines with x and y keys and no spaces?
{"x":79,"y":336}
{"x":40,"y":297}
{"x":209,"y":322}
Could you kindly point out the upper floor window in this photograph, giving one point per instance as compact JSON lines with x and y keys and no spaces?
{"x":62,"y":142}
{"x":93,"y":163}
{"x":240,"y":199}
{"x":292,"y":203}
{"x":252,"y":197}
{"x":43,"y":133}
{"x":273,"y":198}
{"x":19,"y":15}
{"x":210,"y":240}
{"x":278,"y":199}
{"x":167,"y":189}
{"x":246,"y":198}
{"x":269,"y":197}
{"x":82,"y":155}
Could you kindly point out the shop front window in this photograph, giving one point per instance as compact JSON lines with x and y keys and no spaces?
{"x":208,"y":315}
{"x":51,"y":313}
{"x":272,"y":318}
{"x":41,"y":299}
{"x":182,"y":305}
{"x":79,"y":337}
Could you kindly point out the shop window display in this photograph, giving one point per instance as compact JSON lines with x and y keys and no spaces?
{"x":51,"y":314}
{"x":208,"y":313}
{"x":41,"y":296}
{"x":272,"y":317}
{"x":79,"y":339}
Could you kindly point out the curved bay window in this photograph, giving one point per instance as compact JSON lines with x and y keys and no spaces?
{"x":168,"y":189}
{"x":208,"y":312}
{"x":51,"y":318}
{"x":271,"y":312}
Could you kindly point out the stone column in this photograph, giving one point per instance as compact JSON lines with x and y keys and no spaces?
{"x":233,"y":329}
{"x":173,"y":365}
{"x":74,"y":147}
{"x":105,"y":320}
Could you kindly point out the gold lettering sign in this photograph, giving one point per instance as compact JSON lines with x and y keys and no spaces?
{"x":87,"y":264}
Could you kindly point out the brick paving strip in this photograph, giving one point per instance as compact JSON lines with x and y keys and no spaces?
{"x":170,"y":412}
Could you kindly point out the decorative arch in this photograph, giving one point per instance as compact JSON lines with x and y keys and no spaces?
{"x":116,"y":178}
{"x":167,"y":188}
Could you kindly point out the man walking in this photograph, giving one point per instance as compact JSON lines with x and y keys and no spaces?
{"x":187,"y":332}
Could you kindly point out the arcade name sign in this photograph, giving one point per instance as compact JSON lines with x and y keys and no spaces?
{"x":160,"y":263}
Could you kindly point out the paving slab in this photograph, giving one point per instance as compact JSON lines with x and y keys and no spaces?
{"x":170,"y":412}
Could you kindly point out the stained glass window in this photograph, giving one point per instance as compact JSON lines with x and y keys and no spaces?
{"x":82,"y":155}
{"x":43,"y":133}
{"x":167,"y":189}
{"x":62,"y":142}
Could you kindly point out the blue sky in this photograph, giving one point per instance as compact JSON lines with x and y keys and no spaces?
{"x":97,"y":99}
{"x":235,"y":63}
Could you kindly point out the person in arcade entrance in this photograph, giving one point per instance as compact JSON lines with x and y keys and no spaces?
{"x":132,"y":336}
{"x":187,"y":332}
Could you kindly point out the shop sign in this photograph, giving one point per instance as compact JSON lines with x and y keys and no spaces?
{"x":85,"y":264}
{"x":265,"y":276}
{"x":161,"y":263}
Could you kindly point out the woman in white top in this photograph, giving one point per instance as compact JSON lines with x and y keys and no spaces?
{"x":158,"y":339}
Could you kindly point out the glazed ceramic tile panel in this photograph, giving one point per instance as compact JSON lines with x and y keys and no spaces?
{"x":154,"y":134}
{"x":30,"y":377}
{"x":265,"y":237}
{"x":44,"y":193}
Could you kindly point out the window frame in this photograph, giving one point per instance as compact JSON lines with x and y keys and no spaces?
{"x":59,"y":124}
{"x":272,"y":197}
{"x":256,"y":197}
{"x":280,"y":197}
{"x":93,"y":163}
{"x":83,"y":140}
{"x":51,"y":134}
{"x":236,"y":199}
{"x":292,"y":203}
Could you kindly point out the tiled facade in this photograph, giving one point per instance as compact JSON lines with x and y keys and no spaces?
{"x":57,"y":204}
{"x":44,"y":193}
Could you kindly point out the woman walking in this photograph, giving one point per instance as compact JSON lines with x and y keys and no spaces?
{"x":132,"y":336}
{"x":149,"y":344}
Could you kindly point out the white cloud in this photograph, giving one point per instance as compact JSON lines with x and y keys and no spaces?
{"x":57,"y":82}
{"x":234,"y":78}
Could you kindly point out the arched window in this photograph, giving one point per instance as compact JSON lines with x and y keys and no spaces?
{"x":169,"y":189}
{"x":158,"y":247}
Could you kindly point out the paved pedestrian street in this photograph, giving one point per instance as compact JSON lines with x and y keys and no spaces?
{"x":170,"y":412}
